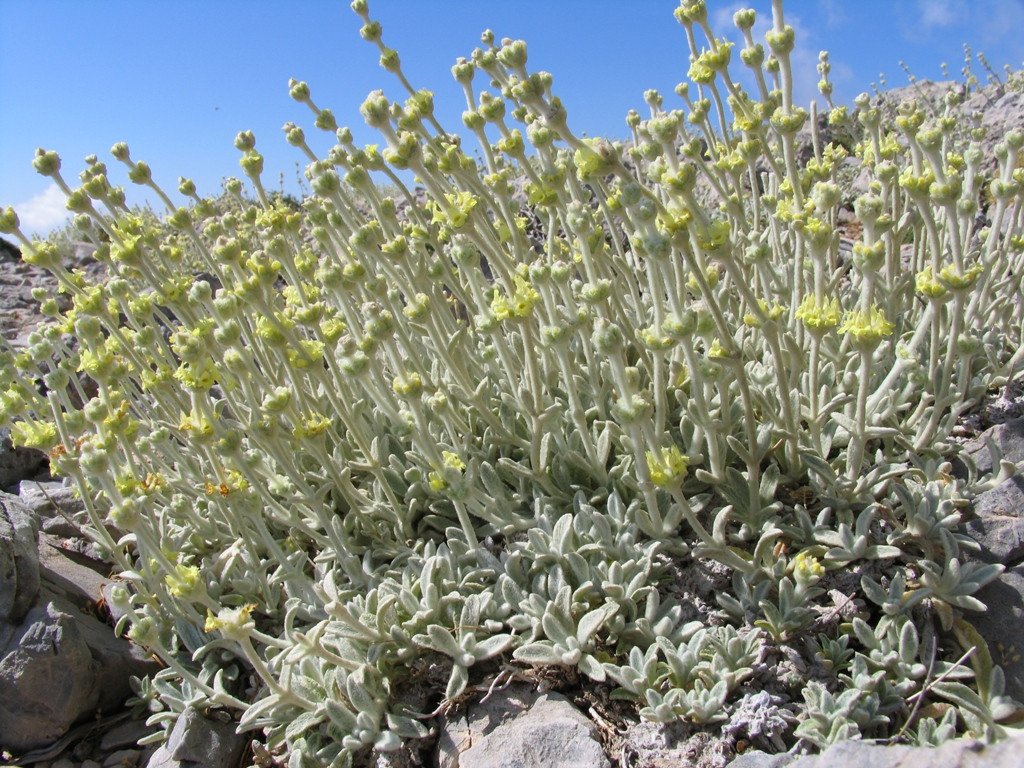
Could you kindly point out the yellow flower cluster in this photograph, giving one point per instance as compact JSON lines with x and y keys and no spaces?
{"x":819,"y":318}
{"x":867,"y":327}
{"x":807,"y":569}
{"x":517,"y":306}
{"x":667,"y":467}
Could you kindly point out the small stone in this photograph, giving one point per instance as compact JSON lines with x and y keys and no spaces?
{"x":62,"y":763}
{"x":90,"y":764}
{"x":124,"y":758}
{"x":757,"y":759}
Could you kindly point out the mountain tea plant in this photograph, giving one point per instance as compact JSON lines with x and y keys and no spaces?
{"x":359,"y":458}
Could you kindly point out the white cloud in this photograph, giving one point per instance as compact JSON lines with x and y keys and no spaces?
{"x":937,"y":13}
{"x":835,"y":14}
{"x":1002,"y":19}
{"x":44,"y":212}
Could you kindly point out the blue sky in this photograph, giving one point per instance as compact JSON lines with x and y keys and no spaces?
{"x":177,"y":80}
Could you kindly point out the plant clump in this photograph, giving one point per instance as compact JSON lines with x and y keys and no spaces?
{"x":334,"y":451}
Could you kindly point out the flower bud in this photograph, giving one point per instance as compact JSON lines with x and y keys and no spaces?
{"x":46,"y":163}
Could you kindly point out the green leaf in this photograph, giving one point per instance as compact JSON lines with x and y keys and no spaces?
{"x":492,"y":646}
{"x":457,"y":682}
{"x":299,"y":725}
{"x":441,"y":640}
{"x":592,"y":668}
{"x":538,"y":653}
{"x":592,"y":621}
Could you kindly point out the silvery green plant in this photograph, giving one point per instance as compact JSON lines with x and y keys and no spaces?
{"x":343,"y":451}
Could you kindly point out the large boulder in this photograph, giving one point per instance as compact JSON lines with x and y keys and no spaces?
{"x":47,"y":679}
{"x":59,"y":667}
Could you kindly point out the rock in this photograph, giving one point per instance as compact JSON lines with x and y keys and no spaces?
{"x":1009,"y":439}
{"x":1001,"y":626}
{"x":60,"y":666}
{"x":961,"y":753}
{"x":47,"y":679}
{"x":200,"y":742}
{"x":49,"y":499}
{"x":62,"y":763}
{"x":999,"y":525}
{"x":76,"y":577}
{"x":126,"y":734}
{"x":519,"y":729}
{"x":61,"y":528}
{"x":115,"y":659}
{"x":17,"y":464}
{"x":758,"y":759}
{"x":9,"y":250}
{"x":124,"y":758}
{"x":19,"y":563}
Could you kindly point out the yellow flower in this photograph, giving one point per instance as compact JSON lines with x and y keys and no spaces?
{"x":312,"y":425}
{"x":866,"y":327}
{"x":452,"y":460}
{"x":519,"y":305}
{"x":184,"y":582}
{"x":667,"y":467}
{"x":957,"y":281}
{"x":807,"y":569}
{"x":233,"y":623}
{"x":926,"y":284}
{"x":34,"y":434}
{"x":818,"y":318}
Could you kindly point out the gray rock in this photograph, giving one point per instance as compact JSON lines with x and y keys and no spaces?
{"x":757,"y":759}
{"x":200,"y":742}
{"x":518,"y":729}
{"x":1001,"y":626}
{"x":123,"y":758}
{"x":47,"y":679}
{"x":17,"y":464}
{"x":1009,"y":439}
{"x":115,"y":659}
{"x":50,"y":499}
{"x":68,"y":573}
{"x":19,"y":563}
{"x":126,"y":734}
{"x":953,"y":754}
{"x":999,"y":525}
{"x":58,"y":526}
